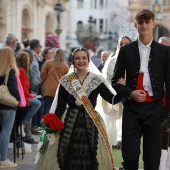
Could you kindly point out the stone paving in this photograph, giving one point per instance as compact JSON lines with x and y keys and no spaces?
{"x":28,"y":162}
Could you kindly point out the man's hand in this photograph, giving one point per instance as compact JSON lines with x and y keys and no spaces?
{"x":138,"y":95}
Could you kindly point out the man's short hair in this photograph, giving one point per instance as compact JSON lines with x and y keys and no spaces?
{"x":26,"y":42}
{"x":144,"y":14}
{"x":34,"y":43}
{"x":9,"y":37}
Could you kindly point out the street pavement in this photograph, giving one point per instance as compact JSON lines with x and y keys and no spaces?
{"x":28,"y":162}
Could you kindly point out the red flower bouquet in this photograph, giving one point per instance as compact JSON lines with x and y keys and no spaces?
{"x":51,"y":123}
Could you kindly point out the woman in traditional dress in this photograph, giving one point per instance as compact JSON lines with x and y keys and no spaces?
{"x":83,"y":143}
{"x":113,"y":121}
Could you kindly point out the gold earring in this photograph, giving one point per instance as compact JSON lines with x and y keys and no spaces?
{"x":74,"y":69}
{"x":87,"y":68}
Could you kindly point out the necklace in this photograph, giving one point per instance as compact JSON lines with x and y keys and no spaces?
{"x":83,"y":79}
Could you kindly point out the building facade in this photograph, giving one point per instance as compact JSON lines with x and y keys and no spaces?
{"x":162,"y":10}
{"x":96,"y":20}
{"x":30,"y":19}
{"x":102,"y":21}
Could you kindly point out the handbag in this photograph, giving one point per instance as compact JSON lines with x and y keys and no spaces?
{"x":5,"y":96}
{"x":22,"y":102}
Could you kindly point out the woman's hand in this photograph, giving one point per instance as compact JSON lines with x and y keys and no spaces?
{"x":122,"y":81}
{"x":168,"y":130}
{"x":34,"y":95}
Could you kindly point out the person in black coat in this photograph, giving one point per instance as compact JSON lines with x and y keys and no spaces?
{"x":7,"y":113}
{"x":145,"y":64}
{"x":104,"y":57}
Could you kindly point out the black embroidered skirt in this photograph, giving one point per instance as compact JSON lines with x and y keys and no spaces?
{"x":78,"y":142}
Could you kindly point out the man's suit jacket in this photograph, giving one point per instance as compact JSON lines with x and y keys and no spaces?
{"x":128,"y":65}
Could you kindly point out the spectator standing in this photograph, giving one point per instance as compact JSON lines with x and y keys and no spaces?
{"x":165,"y":144}
{"x":104,"y":57}
{"x":11,"y":40}
{"x":164,"y":40}
{"x":17,"y":49}
{"x":36,"y":49}
{"x":26,"y":43}
{"x":7,"y":114}
{"x":46,"y":54}
{"x":109,"y":66}
{"x":51,"y":73}
{"x":145,"y":64}
{"x":96,"y":58}
{"x":35,"y":46}
{"x":113,"y":114}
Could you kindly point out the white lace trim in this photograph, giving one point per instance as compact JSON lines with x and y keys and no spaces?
{"x":91,"y":82}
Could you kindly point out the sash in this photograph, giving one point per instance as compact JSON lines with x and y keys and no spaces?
{"x":79,"y":90}
{"x":139,"y":85}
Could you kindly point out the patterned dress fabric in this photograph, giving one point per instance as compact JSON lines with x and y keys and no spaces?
{"x":79,"y":146}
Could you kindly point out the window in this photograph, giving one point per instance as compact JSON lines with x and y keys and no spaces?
{"x":106,"y":25}
{"x":80,"y":3}
{"x":146,"y":2}
{"x":95,"y":4}
{"x":101,"y":25}
{"x":79,"y":26}
{"x":101,"y":4}
{"x":91,"y":3}
{"x":79,"y":29}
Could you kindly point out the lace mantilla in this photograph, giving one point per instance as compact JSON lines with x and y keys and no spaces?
{"x":91,"y":82}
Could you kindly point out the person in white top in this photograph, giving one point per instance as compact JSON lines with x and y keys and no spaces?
{"x":113,"y":114}
{"x":145,"y":64}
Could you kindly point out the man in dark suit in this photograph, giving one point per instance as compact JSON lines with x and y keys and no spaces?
{"x":146,"y":66}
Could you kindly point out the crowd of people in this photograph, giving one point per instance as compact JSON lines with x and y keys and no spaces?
{"x":133,"y":85}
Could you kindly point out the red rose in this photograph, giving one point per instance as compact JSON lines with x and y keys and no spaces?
{"x":53,"y":121}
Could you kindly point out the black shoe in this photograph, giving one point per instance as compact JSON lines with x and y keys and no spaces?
{"x":31,"y":141}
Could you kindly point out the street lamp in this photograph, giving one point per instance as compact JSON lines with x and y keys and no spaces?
{"x":91,"y":20}
{"x":110,"y":38}
{"x":58,"y":8}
